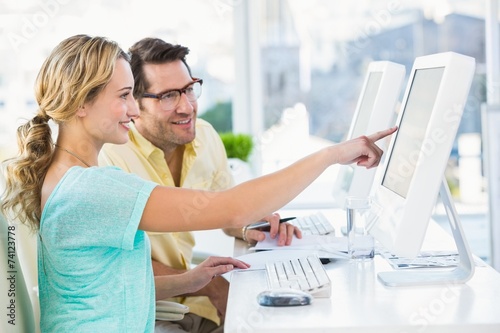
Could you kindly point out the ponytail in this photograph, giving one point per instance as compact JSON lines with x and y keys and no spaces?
{"x":26,"y":172}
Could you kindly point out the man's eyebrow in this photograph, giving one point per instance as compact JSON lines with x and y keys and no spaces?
{"x":176,"y":89}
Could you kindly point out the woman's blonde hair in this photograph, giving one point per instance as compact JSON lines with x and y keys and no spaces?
{"x":75,"y":72}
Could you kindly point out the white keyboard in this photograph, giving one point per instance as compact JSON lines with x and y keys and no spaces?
{"x":303,"y":273}
{"x":315,"y":224}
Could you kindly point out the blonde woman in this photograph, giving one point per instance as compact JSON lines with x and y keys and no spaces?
{"x":93,"y":254}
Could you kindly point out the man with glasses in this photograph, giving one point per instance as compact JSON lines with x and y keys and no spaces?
{"x":170,"y":146}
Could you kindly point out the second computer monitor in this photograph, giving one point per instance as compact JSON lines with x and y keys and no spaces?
{"x":374,"y":111}
{"x":408,"y":182}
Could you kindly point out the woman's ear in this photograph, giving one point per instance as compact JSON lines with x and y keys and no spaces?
{"x":81,"y":112}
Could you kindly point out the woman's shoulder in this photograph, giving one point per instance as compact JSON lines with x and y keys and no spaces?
{"x":106,"y":179}
{"x":113,"y":173}
{"x":95,"y":171}
{"x":100,"y":175}
{"x":110,"y":172}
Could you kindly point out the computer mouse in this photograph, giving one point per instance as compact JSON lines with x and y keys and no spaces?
{"x":284,"y":297}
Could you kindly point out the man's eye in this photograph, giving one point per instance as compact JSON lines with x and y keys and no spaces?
{"x":169,"y":95}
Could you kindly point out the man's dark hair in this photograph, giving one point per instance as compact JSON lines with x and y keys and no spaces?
{"x":152,"y":51}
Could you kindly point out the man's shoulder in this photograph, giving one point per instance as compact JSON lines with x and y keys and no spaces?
{"x":118,"y":150}
{"x":123,"y":155}
{"x":204,"y":125}
{"x":206,"y":133}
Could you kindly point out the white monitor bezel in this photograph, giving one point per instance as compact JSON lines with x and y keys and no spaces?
{"x":402,"y":222}
{"x":383,"y":114}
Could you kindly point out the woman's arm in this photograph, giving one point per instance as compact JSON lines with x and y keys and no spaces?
{"x":191,"y":281}
{"x":178,"y":209}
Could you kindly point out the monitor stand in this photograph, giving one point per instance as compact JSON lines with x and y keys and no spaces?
{"x":465,"y":267}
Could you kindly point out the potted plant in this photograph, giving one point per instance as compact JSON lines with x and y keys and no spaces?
{"x":237,"y":145}
{"x":238,"y":149}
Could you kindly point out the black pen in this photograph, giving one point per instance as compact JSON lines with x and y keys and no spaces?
{"x":265,"y":224}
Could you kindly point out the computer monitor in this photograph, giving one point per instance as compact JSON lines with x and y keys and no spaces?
{"x":408,"y":182}
{"x":374,"y":111}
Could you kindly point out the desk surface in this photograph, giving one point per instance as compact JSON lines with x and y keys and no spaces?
{"x":360,"y":303}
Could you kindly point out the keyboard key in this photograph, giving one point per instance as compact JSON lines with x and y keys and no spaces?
{"x":316,"y":224}
{"x":305,"y":273}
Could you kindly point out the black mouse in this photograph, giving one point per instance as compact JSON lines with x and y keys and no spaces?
{"x":284,"y":297}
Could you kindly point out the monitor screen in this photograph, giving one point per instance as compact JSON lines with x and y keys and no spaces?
{"x":375,"y":111}
{"x":416,"y":115}
{"x":366,"y":104}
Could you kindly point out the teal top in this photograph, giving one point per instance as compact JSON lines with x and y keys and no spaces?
{"x":94,"y":265}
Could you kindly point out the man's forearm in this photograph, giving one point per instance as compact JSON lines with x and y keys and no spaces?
{"x":160,"y":269}
{"x":217,"y":285}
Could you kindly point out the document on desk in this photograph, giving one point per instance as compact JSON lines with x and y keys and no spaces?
{"x":258,"y":260}
{"x":427,"y":259}
{"x":325,"y":246}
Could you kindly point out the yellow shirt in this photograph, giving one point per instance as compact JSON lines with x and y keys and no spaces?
{"x":204,"y":166}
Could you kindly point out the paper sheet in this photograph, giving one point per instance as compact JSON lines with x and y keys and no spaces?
{"x":326,"y":244}
{"x":258,"y":260}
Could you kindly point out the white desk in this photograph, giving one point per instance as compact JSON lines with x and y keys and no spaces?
{"x":360,"y":303}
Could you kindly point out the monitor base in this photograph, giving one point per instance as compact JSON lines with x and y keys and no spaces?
{"x":461,"y":274}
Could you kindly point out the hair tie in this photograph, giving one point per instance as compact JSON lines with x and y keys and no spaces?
{"x":41,"y":118}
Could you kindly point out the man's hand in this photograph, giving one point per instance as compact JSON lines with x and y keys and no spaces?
{"x":217,"y":292}
{"x":284,"y":231}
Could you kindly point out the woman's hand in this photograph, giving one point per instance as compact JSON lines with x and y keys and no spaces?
{"x":362,"y":150}
{"x":211,"y":267}
{"x":197,"y":281}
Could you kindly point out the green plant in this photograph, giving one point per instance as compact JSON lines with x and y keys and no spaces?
{"x":237,"y":145}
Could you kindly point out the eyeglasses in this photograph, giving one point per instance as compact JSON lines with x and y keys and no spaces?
{"x":170,"y":99}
